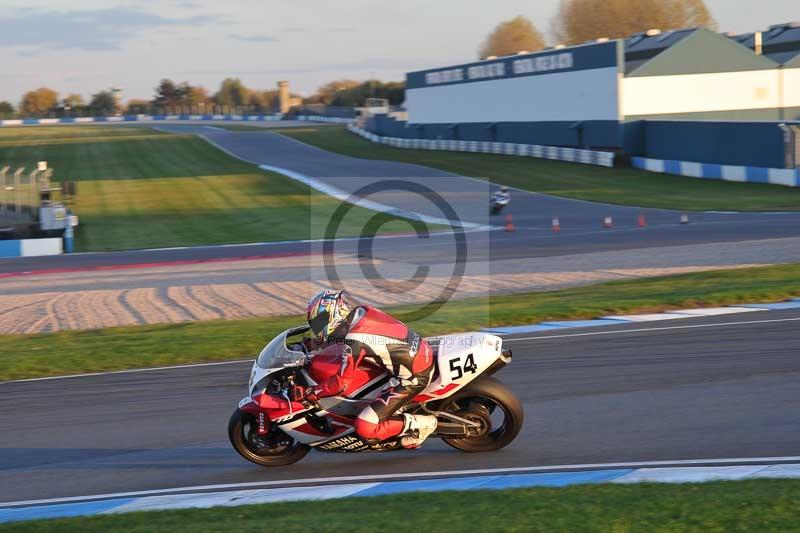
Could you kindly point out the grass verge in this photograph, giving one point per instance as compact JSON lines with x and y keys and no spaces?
{"x":70,"y":352}
{"x":41,"y":134}
{"x":241,"y":127}
{"x":142,"y":189}
{"x":264,"y":126}
{"x":586,"y":182}
{"x":752,"y":505}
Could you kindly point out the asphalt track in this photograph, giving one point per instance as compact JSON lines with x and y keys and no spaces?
{"x":581,"y":221}
{"x":706,"y":388}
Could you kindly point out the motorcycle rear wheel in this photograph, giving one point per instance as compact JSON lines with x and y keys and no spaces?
{"x":479,"y":401}
{"x":275,"y":448}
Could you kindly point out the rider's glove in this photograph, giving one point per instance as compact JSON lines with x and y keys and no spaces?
{"x":305,"y":395}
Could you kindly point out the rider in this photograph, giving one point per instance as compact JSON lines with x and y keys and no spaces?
{"x":369,"y":332}
{"x":501,"y":197}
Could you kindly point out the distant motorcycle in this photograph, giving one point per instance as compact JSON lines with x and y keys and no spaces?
{"x":273,"y":426}
{"x":499,"y":200}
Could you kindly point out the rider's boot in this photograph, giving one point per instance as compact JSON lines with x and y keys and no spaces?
{"x":417,"y":429}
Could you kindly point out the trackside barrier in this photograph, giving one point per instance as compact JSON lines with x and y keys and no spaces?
{"x":789,"y":177}
{"x":589,"y":157}
{"x":31,"y":247}
{"x":151,"y":118}
{"x":320,"y":118}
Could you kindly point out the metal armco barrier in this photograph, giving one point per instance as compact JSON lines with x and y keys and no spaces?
{"x":573,"y":155}
{"x":151,"y":118}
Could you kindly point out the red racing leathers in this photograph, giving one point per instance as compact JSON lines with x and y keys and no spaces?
{"x":369,"y":332}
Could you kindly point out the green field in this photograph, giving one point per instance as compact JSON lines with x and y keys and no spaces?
{"x":586,"y":182}
{"x":26,"y":356}
{"x":138,"y":188}
{"x":752,"y":505}
{"x":39,"y":134}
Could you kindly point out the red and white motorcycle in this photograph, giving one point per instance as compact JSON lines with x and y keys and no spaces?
{"x":272,"y":427}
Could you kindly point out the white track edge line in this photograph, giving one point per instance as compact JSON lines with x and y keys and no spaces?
{"x":639,"y":330}
{"x":414,"y":475}
{"x":128,"y":371}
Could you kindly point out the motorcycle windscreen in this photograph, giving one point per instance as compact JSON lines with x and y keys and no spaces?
{"x":277,"y":355}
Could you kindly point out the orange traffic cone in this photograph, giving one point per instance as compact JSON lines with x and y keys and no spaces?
{"x":608,"y":222}
{"x":642,"y":220}
{"x":509,"y":223}
{"x":556,"y":225}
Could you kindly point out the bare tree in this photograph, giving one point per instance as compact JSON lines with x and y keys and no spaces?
{"x":578,"y":21}
{"x":512,"y":36}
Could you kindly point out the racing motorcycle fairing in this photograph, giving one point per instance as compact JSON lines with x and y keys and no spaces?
{"x":329,"y":426}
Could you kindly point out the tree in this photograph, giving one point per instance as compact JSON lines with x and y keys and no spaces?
{"x":167,"y":94}
{"x":72,"y":105}
{"x":578,"y":21}
{"x":191,"y":95}
{"x":6,"y":110}
{"x":512,"y":36}
{"x":349,"y":93}
{"x":232,"y":92}
{"x":394,"y":91}
{"x":73,"y":101}
{"x":329,"y":92}
{"x":39,"y":102}
{"x":103,"y":103}
{"x":264,"y":101}
{"x":137,"y":107}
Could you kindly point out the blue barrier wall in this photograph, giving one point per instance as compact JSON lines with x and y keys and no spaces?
{"x":595,"y":133}
{"x":754,"y":144}
{"x":324,"y":111}
{"x":751,"y":144}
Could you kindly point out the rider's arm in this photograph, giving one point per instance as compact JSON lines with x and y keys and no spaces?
{"x":339,"y":382}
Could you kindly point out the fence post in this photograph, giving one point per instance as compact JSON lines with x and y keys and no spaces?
{"x":3,"y":195}
{"x":69,"y":234}
{"x":17,"y":199}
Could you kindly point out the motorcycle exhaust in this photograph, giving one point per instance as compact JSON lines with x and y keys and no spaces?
{"x":460,"y":427}
{"x":503,"y":360}
{"x":446,"y":429}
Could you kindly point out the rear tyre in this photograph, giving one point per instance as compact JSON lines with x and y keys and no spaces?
{"x":276,"y":448}
{"x":494,"y":407}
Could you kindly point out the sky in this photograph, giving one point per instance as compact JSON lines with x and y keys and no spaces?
{"x":131,"y":44}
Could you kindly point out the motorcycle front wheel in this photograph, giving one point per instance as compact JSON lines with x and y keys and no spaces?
{"x":276,"y":448}
{"x":494,"y":407}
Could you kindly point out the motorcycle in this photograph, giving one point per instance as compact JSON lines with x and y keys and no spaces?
{"x":274,"y":426}
{"x":497,"y":202}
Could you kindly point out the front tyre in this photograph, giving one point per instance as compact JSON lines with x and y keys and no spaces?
{"x":276,"y":448}
{"x":494,"y":407}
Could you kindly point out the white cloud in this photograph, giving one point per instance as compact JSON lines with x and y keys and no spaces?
{"x":97,"y":30}
{"x":253,"y":38}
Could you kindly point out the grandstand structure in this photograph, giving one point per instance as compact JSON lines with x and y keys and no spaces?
{"x":691,"y":94}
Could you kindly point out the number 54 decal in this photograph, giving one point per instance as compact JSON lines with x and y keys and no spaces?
{"x":457,"y":369}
